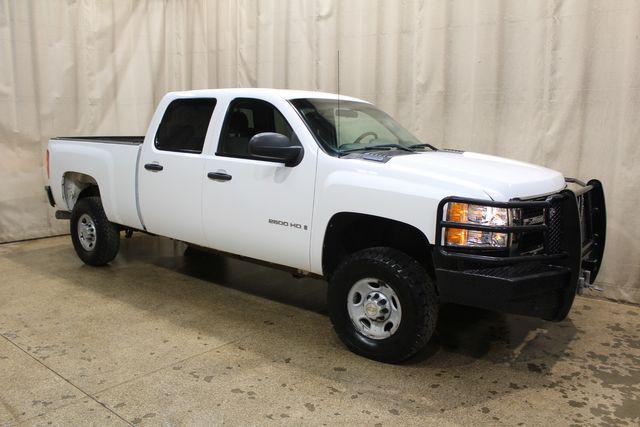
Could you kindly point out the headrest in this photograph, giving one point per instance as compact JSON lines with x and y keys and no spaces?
{"x":238,"y":122}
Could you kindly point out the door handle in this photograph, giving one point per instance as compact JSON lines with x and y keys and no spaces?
{"x":219,"y":176}
{"x":153,"y":167}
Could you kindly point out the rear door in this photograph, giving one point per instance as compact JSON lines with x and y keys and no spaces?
{"x":170,"y":172}
{"x":257,"y":208}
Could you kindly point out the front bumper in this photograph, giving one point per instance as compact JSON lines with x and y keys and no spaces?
{"x":542,"y":283}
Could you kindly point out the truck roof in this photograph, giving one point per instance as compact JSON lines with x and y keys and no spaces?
{"x":249,"y":92}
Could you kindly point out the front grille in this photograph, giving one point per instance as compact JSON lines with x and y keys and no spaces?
{"x":533,"y":242}
{"x":532,"y":215}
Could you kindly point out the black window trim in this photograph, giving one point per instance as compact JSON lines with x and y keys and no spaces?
{"x":224,"y":126}
{"x":186,"y":150}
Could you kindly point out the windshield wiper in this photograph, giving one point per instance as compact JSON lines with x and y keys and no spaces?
{"x":423,"y":146}
{"x":374,"y":147}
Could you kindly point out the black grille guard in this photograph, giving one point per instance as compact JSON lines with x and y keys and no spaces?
{"x":574,"y":231}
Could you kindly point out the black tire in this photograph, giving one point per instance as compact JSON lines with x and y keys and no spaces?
{"x":413,"y":287}
{"x":107,"y":241}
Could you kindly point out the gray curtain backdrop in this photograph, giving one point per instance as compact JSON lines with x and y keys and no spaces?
{"x":551,"y":82}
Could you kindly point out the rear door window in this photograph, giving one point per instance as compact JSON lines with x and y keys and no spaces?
{"x":184,"y":125}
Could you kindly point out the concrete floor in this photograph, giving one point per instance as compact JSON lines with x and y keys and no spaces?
{"x":161,"y":338}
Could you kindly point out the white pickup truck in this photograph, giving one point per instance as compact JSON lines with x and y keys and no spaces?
{"x":330,"y":186}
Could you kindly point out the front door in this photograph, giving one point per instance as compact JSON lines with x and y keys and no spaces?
{"x":170,"y":171}
{"x":253,"y":207}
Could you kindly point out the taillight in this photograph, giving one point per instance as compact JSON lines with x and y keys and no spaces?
{"x":47,"y":163}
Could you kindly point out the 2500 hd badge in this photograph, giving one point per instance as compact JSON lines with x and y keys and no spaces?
{"x":287,"y":224}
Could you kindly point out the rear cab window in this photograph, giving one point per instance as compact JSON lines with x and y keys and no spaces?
{"x":184,"y":125}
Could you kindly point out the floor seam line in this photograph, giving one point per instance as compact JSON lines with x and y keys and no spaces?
{"x":65,"y":380}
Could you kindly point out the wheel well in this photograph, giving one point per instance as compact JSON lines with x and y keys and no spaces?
{"x":77,"y":186}
{"x":349,"y":232}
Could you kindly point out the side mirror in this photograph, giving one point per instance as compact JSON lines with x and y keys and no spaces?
{"x":276,"y":148}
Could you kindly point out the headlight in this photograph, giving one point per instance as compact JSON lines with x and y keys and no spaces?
{"x":476,"y":214}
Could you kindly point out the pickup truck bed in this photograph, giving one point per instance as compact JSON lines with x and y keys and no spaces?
{"x":110,"y":160}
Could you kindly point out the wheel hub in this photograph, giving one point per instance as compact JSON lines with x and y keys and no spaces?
{"x":87,"y":232}
{"x":374,"y":308}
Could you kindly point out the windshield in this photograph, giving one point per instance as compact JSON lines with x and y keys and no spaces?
{"x":346,"y":126}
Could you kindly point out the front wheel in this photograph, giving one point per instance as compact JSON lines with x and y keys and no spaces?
{"x":95,"y":239}
{"x":382,"y":304}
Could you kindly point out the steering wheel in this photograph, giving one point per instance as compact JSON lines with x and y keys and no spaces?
{"x":364,"y":135}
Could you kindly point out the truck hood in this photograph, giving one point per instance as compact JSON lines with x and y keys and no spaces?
{"x":501,"y":179}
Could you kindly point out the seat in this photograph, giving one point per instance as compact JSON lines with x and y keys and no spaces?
{"x":236,"y":140}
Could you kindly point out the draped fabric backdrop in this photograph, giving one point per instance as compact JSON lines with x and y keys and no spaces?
{"x":551,"y":82}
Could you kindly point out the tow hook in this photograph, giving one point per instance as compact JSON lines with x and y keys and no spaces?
{"x":584,"y":282}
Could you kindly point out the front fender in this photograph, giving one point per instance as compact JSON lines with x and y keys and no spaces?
{"x":372,"y":191}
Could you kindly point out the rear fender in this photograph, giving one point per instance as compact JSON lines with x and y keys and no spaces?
{"x":75,"y":185}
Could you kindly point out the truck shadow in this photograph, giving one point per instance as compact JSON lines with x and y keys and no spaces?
{"x":475,"y":334}
{"x":467,"y":331}
{"x":266,"y":282}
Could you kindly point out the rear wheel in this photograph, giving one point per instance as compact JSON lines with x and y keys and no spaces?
{"x":382,"y":304}
{"x":95,"y":239}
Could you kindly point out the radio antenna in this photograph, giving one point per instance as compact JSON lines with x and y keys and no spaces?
{"x":338,"y":111}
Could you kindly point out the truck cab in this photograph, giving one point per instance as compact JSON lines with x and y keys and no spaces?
{"x":331,"y":186}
